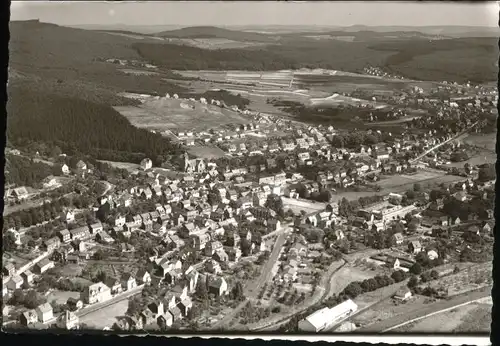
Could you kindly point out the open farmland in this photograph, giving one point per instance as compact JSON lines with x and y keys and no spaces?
{"x":214,"y":43}
{"x":167,"y":114}
{"x":471,"y":318}
{"x":403,"y":183}
{"x":484,"y":141}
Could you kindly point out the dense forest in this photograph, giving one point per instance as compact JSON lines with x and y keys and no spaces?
{"x":81,"y":126}
{"x":23,"y":171}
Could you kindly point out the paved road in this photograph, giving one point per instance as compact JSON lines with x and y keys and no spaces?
{"x":400,"y":320}
{"x":252,"y":290}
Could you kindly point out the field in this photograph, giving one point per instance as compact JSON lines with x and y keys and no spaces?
{"x":132,"y":167}
{"x":466,"y":280}
{"x":105,"y":317}
{"x":298,"y":205}
{"x":471,"y":318}
{"x":167,"y":114}
{"x":484,"y":141}
{"x":206,"y":152}
{"x":214,"y":43}
{"x":401,"y":183}
{"x":387,"y":309}
{"x":348,"y":274}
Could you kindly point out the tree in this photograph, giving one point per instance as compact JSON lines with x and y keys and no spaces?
{"x":246,"y":247}
{"x":413,"y":282}
{"x":416,"y":269}
{"x":238,"y":292}
{"x":422,"y":258}
{"x":425,"y":277}
{"x":201,"y":290}
{"x":434,"y":275}
{"x":135,"y":306}
{"x":9,"y":242}
{"x":353,"y":290}
{"x":398,"y":276}
{"x":486,"y":173}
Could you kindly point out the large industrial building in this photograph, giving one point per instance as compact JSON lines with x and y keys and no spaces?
{"x":326,"y":318}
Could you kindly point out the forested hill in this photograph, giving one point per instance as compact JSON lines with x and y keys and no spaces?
{"x":215,"y":32}
{"x":82,"y":126}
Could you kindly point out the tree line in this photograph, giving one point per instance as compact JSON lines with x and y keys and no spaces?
{"x":82,"y":126}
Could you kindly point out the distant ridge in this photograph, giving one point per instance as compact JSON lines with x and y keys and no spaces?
{"x":216,"y":32}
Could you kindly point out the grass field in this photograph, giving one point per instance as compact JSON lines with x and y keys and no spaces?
{"x":167,"y":114}
{"x":348,"y":274}
{"x":485,"y":141}
{"x":105,"y":317}
{"x":471,"y":318}
{"x":387,"y":309}
{"x":124,"y":165}
{"x":206,"y":152}
{"x":401,"y":183}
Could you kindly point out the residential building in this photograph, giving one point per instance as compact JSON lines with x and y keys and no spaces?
{"x":42,"y":266}
{"x":96,"y":293}
{"x":217,"y":286}
{"x":44,"y":313}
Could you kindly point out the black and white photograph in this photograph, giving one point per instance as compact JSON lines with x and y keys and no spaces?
{"x":250,"y":167}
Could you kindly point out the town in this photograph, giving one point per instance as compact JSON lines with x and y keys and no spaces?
{"x":228,"y":179}
{"x":249,"y":240}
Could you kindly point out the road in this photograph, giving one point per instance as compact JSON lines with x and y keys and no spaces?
{"x":109,"y":186}
{"x":426,"y":311}
{"x":443,"y":143}
{"x":324,"y":286}
{"x":98,"y":306}
{"x":252,"y":289}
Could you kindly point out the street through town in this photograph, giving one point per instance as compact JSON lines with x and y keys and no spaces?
{"x":252,"y":289}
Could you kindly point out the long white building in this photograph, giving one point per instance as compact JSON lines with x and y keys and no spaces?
{"x":325,"y":318}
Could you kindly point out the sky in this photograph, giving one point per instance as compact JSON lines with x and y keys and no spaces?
{"x":259,"y":13}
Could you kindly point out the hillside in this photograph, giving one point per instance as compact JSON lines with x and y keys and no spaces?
{"x":422,"y":59}
{"x":80,"y":126}
{"x":215,"y":32}
{"x":461,"y":59}
{"x":66,"y":61}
